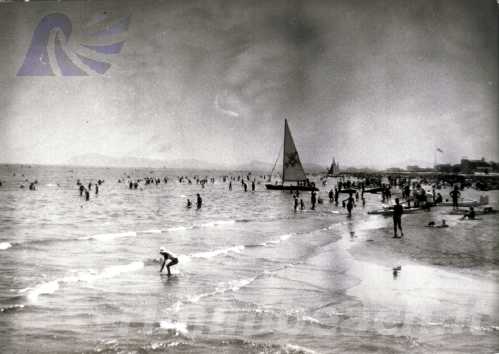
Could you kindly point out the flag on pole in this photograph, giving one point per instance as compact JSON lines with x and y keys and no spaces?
{"x":439,"y":150}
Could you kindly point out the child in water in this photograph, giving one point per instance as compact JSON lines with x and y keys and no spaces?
{"x":167,"y":255}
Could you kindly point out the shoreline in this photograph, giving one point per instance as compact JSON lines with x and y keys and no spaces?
{"x":452,"y":299}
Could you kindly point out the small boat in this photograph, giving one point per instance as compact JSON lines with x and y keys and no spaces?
{"x":292,"y":169}
{"x":463,"y":203}
{"x":484,"y":211}
{"x":333,"y":169}
{"x":374,"y":190}
{"x":348,"y":191}
{"x":389,"y":211}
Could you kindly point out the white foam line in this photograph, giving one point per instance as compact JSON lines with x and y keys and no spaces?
{"x":311,"y":319}
{"x":54,"y":285}
{"x":218,"y":223}
{"x":277,"y":241}
{"x":208,"y":224}
{"x":5,"y":245}
{"x":179,"y":228}
{"x":178,"y":327}
{"x":109,"y":236}
{"x":234,"y":286}
{"x":10,"y":307}
{"x":153,"y":231}
{"x":300,"y":349}
{"x":214,"y":253}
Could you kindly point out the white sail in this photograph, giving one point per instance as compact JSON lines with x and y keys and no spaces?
{"x":292,"y":169}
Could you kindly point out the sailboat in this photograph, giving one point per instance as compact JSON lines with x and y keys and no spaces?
{"x":333,"y":170}
{"x":292,"y":169}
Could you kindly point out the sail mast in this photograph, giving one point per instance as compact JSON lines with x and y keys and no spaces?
{"x":284,"y":151}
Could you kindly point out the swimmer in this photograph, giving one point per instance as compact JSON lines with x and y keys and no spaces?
{"x":350,"y":203}
{"x":470,"y":214}
{"x":199,"y":201}
{"x":432,"y":224}
{"x":166,"y":255}
{"x":455,"y":194}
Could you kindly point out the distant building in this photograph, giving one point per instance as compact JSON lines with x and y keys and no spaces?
{"x":471,"y":166}
{"x":448,"y":168}
{"x":416,"y":168}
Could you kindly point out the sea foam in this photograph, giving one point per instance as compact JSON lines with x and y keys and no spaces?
{"x":5,"y":245}
{"x":178,"y":327}
{"x":51,"y":287}
{"x":214,"y":253}
{"x":109,"y":236}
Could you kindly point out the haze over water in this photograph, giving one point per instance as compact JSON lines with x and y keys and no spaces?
{"x":253,"y":276}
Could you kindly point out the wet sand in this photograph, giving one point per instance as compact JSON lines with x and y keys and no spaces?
{"x":447,"y":288}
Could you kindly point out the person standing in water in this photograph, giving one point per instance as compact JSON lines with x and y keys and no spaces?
{"x":313,"y":200}
{"x":199,"y":201}
{"x":189,"y":204}
{"x":398,"y":210}
{"x":455,"y":194}
{"x":350,"y":203}
{"x":167,"y":256}
{"x":295,"y":202}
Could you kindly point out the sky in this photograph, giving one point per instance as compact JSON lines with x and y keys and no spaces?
{"x":371,"y":82}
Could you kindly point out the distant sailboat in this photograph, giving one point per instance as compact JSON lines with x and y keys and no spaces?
{"x":292,"y":169}
{"x":333,"y":170}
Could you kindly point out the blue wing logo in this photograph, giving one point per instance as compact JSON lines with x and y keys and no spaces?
{"x":72,"y":62}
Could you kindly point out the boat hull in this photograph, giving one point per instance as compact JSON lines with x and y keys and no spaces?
{"x":374,"y":190}
{"x":388,"y":212}
{"x":466,"y":203}
{"x":280,"y":187}
{"x":348,"y":191}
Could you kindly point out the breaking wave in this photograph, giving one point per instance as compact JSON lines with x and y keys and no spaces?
{"x":5,"y":245}
{"x":47,"y":288}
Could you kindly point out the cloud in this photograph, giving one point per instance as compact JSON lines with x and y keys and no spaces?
{"x":219,"y":107}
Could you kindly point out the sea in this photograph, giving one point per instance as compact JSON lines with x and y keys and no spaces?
{"x":254,"y":276}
